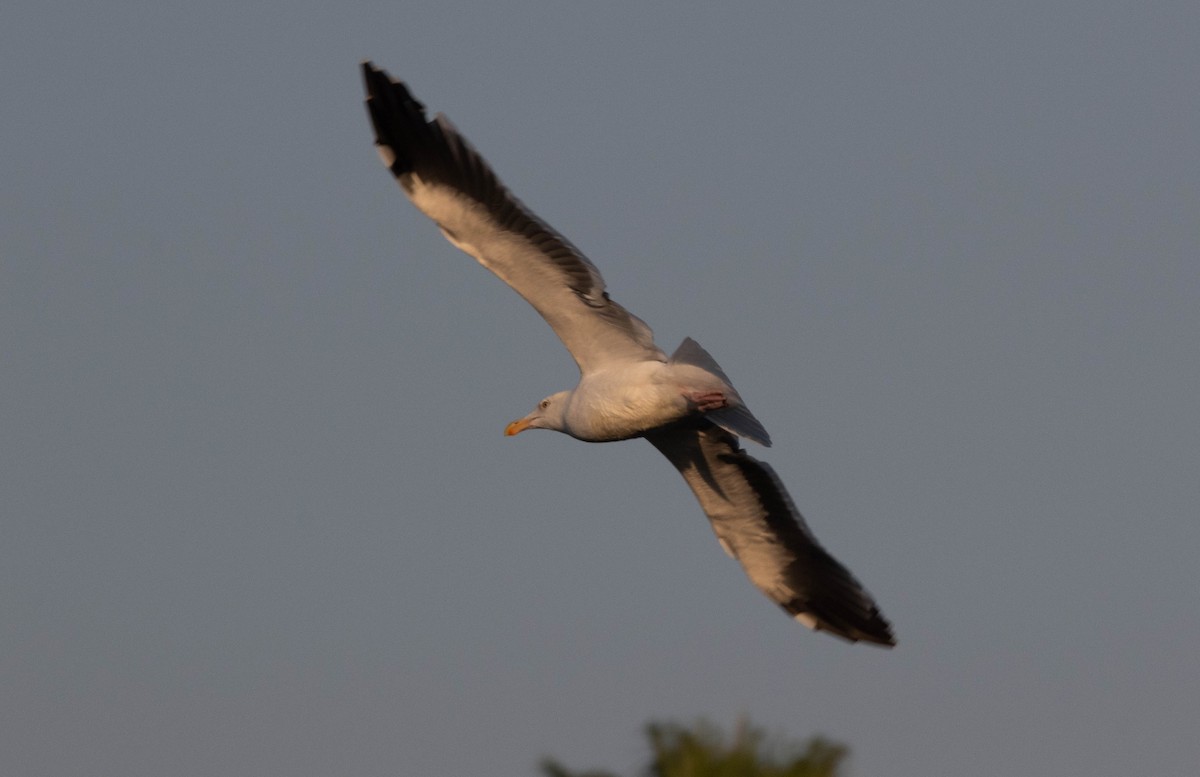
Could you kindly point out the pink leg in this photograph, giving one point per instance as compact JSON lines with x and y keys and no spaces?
{"x":705,"y":401}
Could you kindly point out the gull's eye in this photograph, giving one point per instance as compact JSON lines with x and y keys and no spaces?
{"x":545,"y":403}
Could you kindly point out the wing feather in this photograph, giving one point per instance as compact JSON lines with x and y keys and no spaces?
{"x":452,"y":184}
{"x":755,"y":521}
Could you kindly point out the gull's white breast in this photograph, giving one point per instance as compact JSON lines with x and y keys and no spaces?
{"x":625,"y":401}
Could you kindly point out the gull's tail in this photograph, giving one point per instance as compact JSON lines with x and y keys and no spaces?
{"x":736,"y":418}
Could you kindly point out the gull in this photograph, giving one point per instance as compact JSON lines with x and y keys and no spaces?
{"x":684,"y":405}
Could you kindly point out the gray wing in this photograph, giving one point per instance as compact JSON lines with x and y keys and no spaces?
{"x":756,"y":522}
{"x":452,"y":184}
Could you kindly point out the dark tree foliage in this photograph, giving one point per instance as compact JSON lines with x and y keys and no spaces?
{"x":702,"y":750}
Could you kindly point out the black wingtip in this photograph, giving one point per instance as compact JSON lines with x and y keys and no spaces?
{"x":870,"y":627}
{"x":371,"y":76}
{"x":833,"y":601}
{"x":877,"y":631}
{"x":858,"y":624}
{"x":397,"y":117}
{"x":381,"y":86}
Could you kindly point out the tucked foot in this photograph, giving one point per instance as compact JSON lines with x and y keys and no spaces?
{"x":704,"y":401}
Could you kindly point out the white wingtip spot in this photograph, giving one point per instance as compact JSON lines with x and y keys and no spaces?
{"x":386,"y":154}
{"x":725,"y":547}
{"x":807,"y":619}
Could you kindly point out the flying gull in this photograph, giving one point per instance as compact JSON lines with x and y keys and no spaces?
{"x":683,"y":404}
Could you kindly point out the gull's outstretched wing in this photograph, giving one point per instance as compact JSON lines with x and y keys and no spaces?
{"x":452,"y":184}
{"x":756,"y":523}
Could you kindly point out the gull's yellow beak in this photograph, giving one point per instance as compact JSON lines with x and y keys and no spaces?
{"x":516,"y":427}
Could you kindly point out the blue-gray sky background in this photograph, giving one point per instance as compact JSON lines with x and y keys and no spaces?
{"x":258,"y":515}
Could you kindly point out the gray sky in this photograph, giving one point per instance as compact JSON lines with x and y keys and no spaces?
{"x":258,"y":514}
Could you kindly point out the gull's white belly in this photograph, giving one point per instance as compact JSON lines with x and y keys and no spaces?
{"x":629,"y":400}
